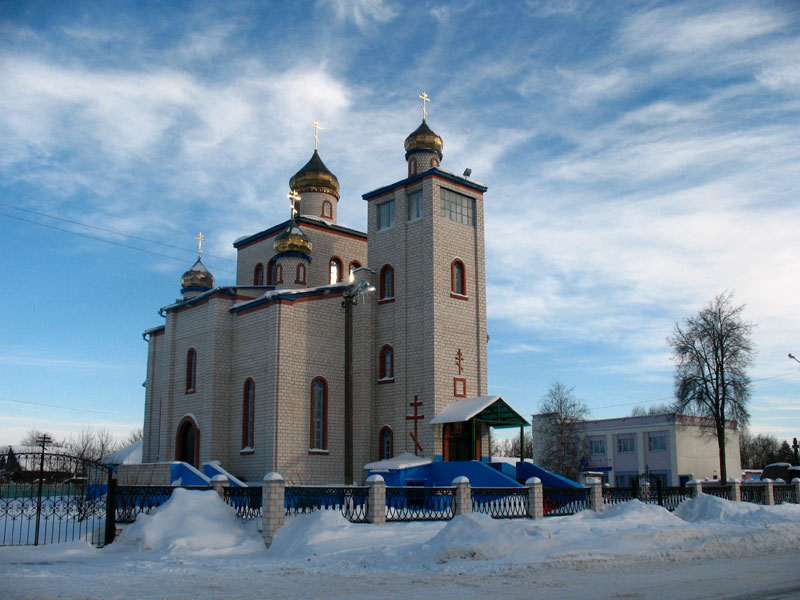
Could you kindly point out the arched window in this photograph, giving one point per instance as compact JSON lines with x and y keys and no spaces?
{"x":385,"y":443}
{"x":434,"y":162}
{"x":458,"y":279}
{"x":248,"y":414}
{"x":191,"y":370}
{"x":258,"y":275}
{"x":187,"y":442}
{"x":387,"y":363}
{"x":278,"y":274}
{"x":327,"y":210}
{"x":301,"y":274}
{"x":387,"y":283}
{"x":319,"y":414}
{"x":271,"y":272}
{"x":412,"y":167}
{"x":351,"y":270}
{"x":336,"y":270}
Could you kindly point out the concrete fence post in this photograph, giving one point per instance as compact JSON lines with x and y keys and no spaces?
{"x":796,"y":484}
{"x":463,"y":496}
{"x":273,"y":512}
{"x":535,"y":498}
{"x":736,"y":489}
{"x":694,"y":487}
{"x":376,"y":500}
{"x":219,"y":483}
{"x":767,"y":498}
{"x":595,"y":499}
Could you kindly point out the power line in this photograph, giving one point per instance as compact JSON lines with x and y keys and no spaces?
{"x":92,"y":410}
{"x":127,"y":235}
{"x":99,"y":239}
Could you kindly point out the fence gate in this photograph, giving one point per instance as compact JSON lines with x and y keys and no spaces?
{"x":47,"y":498}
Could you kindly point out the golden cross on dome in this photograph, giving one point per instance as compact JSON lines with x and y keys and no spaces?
{"x":425,"y":98}
{"x":294,"y":197}
{"x":200,"y":239}
{"x":317,"y":128}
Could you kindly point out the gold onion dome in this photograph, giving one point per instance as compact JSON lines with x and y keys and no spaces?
{"x":424,"y":138}
{"x":197,"y":277}
{"x":313,"y":176}
{"x":292,"y":239}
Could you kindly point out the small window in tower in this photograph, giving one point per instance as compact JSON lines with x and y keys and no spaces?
{"x":335,"y":270}
{"x":278,"y":274}
{"x":458,"y":280}
{"x":271,"y":272}
{"x":387,"y":364}
{"x":319,"y":414}
{"x":412,"y":167}
{"x":434,"y":162}
{"x":327,"y":210}
{"x":386,"y":443}
{"x":415,"y":205}
{"x":385,"y":215}
{"x":301,"y":274}
{"x":248,"y":415}
{"x":258,"y":275}
{"x":387,"y":283}
{"x":191,"y":370}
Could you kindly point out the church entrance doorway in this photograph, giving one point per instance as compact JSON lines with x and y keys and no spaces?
{"x":187,"y":443}
{"x":459,"y":442}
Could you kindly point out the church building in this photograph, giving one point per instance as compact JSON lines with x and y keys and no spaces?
{"x":263,"y":376}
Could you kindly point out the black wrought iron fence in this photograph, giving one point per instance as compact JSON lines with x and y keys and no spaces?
{"x":668,"y":496}
{"x":351,"y":501}
{"x":246,"y":501}
{"x":419,"y":503}
{"x":564,"y":501}
{"x":753,"y":493}
{"x":720,"y":491}
{"x":134,"y":500}
{"x":783,"y":492}
{"x":501,"y":503}
{"x":616,"y":495}
{"x":49,"y":498}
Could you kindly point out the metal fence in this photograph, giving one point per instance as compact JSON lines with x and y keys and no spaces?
{"x":134,"y":500}
{"x":501,"y":503}
{"x":419,"y":503}
{"x":783,"y":492}
{"x":351,"y":501}
{"x":720,"y":491}
{"x":51,"y":498}
{"x":615,"y":495}
{"x":564,"y":501}
{"x":753,"y":493}
{"x":246,"y":501}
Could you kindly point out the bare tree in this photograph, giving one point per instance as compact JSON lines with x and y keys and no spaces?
{"x":712,"y":352}
{"x":134,"y":436}
{"x":655,"y":409}
{"x":558,"y":431}
{"x":34,"y":435}
{"x":757,"y":451}
{"x":92,"y":444}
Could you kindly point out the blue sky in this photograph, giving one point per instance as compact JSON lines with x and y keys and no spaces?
{"x":641,"y":158}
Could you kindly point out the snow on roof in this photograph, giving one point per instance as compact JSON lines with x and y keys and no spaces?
{"x":401,"y":461}
{"x":129,"y":455}
{"x":464,"y":410}
{"x":779,"y":464}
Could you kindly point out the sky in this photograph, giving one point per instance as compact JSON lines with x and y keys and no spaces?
{"x":641,"y":159}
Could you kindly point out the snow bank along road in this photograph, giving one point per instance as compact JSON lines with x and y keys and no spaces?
{"x":193,"y":546}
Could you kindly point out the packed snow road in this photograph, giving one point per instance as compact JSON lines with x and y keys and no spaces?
{"x":193,"y":547}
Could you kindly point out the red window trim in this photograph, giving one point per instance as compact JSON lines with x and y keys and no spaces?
{"x":384,"y":378}
{"x":456,"y":392}
{"x":354,"y":264}
{"x":386,"y":295}
{"x":453,"y":292}
{"x":330,"y":210}
{"x":270,"y":269}
{"x":278,"y":274}
{"x":248,"y":425}
{"x":380,"y":442}
{"x":179,"y":436}
{"x":191,"y":371}
{"x":311,"y":448}
{"x":298,"y":279}
{"x":258,"y":274}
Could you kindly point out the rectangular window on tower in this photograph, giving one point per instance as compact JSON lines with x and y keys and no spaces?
{"x":385,"y":215}
{"x":457,"y":207}
{"x":415,"y":205}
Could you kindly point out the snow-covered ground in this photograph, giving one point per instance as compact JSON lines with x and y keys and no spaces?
{"x":194,"y":547}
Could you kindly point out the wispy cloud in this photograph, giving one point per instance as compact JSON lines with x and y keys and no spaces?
{"x":39,"y":359}
{"x":363,"y":13}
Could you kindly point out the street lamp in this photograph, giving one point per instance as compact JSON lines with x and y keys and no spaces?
{"x":351,"y":294}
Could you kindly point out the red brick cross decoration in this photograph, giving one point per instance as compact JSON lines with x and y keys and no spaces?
{"x":415,"y":417}
{"x":459,"y":360}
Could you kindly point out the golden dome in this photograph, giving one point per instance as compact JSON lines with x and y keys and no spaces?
{"x":424,"y":138}
{"x":292,"y":239}
{"x":315,"y":175}
{"x":197,"y":277}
